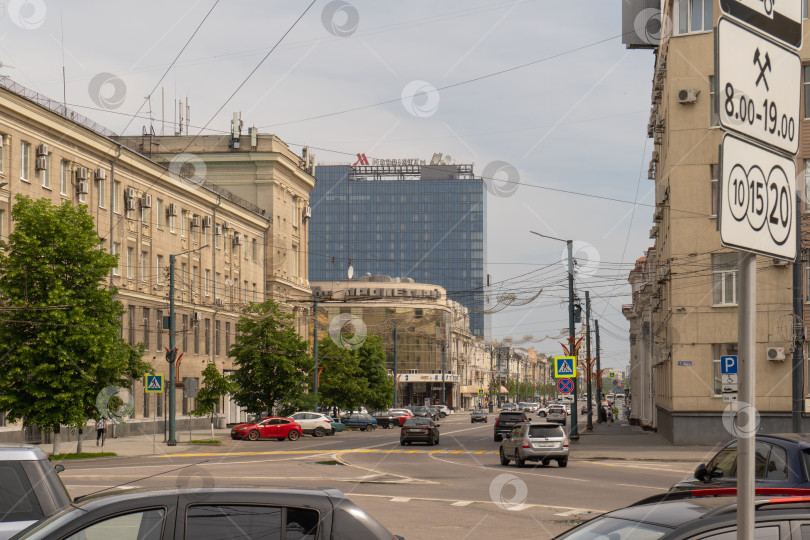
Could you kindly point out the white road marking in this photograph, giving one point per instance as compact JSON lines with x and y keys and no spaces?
{"x":522,"y":506}
{"x":573,"y":512}
{"x":400,"y":499}
{"x":637,"y":486}
{"x":461,"y":503}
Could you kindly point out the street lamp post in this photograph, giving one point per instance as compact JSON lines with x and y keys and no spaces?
{"x":574,"y":434}
{"x":172,"y":355}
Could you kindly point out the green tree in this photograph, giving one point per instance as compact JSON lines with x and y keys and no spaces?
{"x":380,"y":387}
{"x":274,"y":368}
{"x":341,"y":383}
{"x":214,"y":387}
{"x":61,"y":324}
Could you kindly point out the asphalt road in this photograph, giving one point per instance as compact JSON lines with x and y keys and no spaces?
{"x":457,"y":489}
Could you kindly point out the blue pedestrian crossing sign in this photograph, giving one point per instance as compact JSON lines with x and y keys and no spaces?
{"x":153,"y":384}
{"x":565,"y":366}
{"x":728,"y":365}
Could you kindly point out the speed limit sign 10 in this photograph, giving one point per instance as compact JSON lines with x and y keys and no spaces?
{"x":758,"y":201}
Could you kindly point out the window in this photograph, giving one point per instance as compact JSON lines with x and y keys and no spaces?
{"x":25,"y":160}
{"x":207,"y":282}
{"x":244,"y":247}
{"x":195,"y":282}
{"x":63,"y":177}
{"x":217,"y":238}
{"x":145,"y":217}
{"x":207,"y":337}
{"x":217,"y":292}
{"x":183,"y":276}
{"x":253,"y":250}
{"x":255,"y":295}
{"x":294,"y":260}
{"x":145,"y":266}
{"x":159,"y":330}
{"x":116,"y":250}
{"x":694,"y":16}
{"x":294,"y":209}
{"x":718,"y":350}
{"x":159,"y":274}
{"x":806,"y":88}
{"x":715,"y":115}
{"x":2,"y":145}
{"x":245,"y":293}
{"x":142,"y":525}
{"x":777,"y":464}
{"x":146,"y":326}
{"x":807,"y":185}
{"x":102,"y":195}
{"x":724,"y":279}
{"x":185,"y":332}
{"x":130,"y":262}
{"x":714,"y":172}
{"x":131,"y":330}
{"x":216,"y":338}
{"x":183,"y":222}
{"x":227,"y":338}
{"x":2,"y":224}
{"x":117,"y":197}
{"x":172,"y":220}
{"x":196,"y":337}
{"x":159,"y":219}
{"x":45,"y":174}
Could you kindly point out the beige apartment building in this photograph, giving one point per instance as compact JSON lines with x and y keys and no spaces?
{"x":684,"y":311}
{"x":262,"y":170}
{"x":146,"y":212}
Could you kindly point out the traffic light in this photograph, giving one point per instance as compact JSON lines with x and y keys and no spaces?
{"x":577,"y":313}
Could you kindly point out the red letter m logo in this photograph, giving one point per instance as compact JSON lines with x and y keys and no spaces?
{"x":361,"y":160}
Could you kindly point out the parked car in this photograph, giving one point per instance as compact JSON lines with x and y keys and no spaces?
{"x":401,"y":414}
{"x":386,"y":419}
{"x":508,"y":407}
{"x":272,"y":427}
{"x":781,"y":461}
{"x":702,"y":514}
{"x":506,"y":421}
{"x":312,"y":423}
{"x":31,"y":489}
{"x":445,"y":409}
{"x":365,"y":422}
{"x":556,"y":413}
{"x":528,"y":406}
{"x":437,"y":412}
{"x":419,"y":429}
{"x":211,"y":513}
{"x":535,"y":442}
{"x":337,"y":425}
{"x":478,"y":415}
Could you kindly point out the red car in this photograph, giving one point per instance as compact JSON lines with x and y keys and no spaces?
{"x":272,"y":427}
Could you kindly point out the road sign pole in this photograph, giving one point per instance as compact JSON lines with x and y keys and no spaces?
{"x":598,"y":376}
{"x":491,"y":375}
{"x":574,"y":435}
{"x":172,"y":356}
{"x":745,"y":417}
{"x":588,"y":370}
{"x":798,"y":328}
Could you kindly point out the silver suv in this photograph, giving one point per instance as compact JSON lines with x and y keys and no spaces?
{"x":534,"y":441}
{"x":29,"y":488}
{"x":556,"y":413}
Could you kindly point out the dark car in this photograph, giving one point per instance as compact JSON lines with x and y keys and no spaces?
{"x":364,"y":421}
{"x":478,"y":415}
{"x":437,"y":412}
{"x":272,"y":427}
{"x":29,"y":488}
{"x":386,"y":419}
{"x":705,"y":515}
{"x":780,"y":461}
{"x":506,"y":421}
{"x":211,"y":513}
{"x":425,"y":412}
{"x":419,"y":429}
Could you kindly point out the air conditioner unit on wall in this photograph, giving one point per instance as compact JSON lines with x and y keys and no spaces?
{"x":237,"y":239}
{"x":219,"y":302}
{"x":207,"y":222}
{"x":41,"y":163}
{"x":197,"y":316}
{"x":307,"y":212}
{"x":688,"y":95}
{"x":226,"y":226}
{"x":42,"y":149}
{"x":146,"y":200}
{"x":81,"y":173}
{"x":776,"y":353}
{"x":101,"y":174}
{"x":196,"y":221}
{"x":130,"y":204}
{"x":130,"y":193}
{"x":171,"y":210}
{"x":82,"y":188}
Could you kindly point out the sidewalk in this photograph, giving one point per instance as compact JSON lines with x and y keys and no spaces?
{"x":623,"y":441}
{"x":142,"y":445}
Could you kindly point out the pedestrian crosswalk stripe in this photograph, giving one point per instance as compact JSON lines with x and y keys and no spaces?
{"x":461,"y":503}
{"x":400,"y":499}
{"x":326,"y":451}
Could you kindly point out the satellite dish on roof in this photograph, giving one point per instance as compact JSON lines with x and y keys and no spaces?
{"x":351,"y":271}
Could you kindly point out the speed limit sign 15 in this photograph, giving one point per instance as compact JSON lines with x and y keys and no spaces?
{"x":758,"y":201}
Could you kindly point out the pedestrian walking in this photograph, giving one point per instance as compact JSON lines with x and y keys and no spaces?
{"x":610,"y":416}
{"x":101,"y":428}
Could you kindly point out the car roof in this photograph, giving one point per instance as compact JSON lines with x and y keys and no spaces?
{"x":672,"y":513}
{"x":21,"y":452}
{"x":111,"y":496}
{"x":792,"y":437}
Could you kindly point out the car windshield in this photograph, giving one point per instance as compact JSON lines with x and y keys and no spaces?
{"x":480,"y":411}
{"x":616,"y":529}
{"x":417,"y":421}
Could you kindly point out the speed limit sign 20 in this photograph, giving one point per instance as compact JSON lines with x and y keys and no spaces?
{"x":758,"y":200}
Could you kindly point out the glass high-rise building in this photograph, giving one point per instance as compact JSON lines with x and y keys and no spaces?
{"x":425,"y":222}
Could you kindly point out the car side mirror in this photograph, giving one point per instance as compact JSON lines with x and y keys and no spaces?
{"x":58,"y":468}
{"x":716,"y":472}
{"x":701,"y":472}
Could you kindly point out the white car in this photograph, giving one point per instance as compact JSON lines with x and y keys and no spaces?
{"x":313,"y":423}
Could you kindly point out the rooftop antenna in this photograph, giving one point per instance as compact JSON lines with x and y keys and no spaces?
{"x":188,"y":115}
{"x":64,"y":78}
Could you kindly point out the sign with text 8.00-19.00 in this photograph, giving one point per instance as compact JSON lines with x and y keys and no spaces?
{"x":759,"y":86}
{"x":757,"y":200}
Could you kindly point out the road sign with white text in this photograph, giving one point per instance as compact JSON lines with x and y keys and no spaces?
{"x":728,"y":365}
{"x":781,"y":20}
{"x":758,"y":87}
{"x":565,"y":366}
{"x":758,"y":206}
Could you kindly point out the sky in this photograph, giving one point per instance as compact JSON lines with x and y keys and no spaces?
{"x":539,"y":95}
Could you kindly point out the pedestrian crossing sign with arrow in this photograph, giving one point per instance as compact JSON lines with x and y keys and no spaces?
{"x":565,"y":366}
{"x":153,"y":384}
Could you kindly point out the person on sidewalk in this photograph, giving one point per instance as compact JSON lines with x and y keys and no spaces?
{"x":610,"y":416}
{"x":101,"y":428}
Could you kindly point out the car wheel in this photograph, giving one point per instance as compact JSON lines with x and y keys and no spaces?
{"x":485,"y":420}
{"x":541,"y":414}
{"x":431,"y":442}
{"x":253,"y":435}
{"x":562,"y":463}
{"x":504,"y":459}
{"x":402,"y":443}
{"x":519,"y":461}
{"x":293,"y":435}
{"x":472,"y":421}
{"x":331,"y":432}
{"x":498,"y":438}
{"x":363,"y":428}
{"x":319,"y":432}
{"x":437,"y":439}
{"x":546,"y":462}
